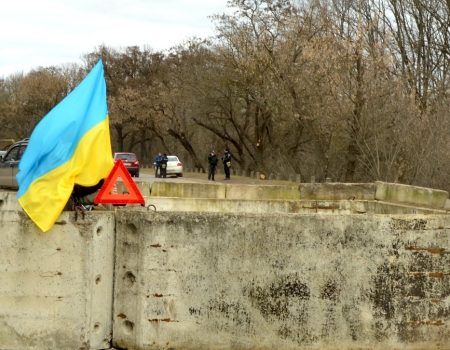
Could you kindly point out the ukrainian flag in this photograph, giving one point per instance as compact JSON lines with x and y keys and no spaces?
{"x":70,"y":145}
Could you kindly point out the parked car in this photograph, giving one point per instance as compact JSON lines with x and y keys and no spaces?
{"x":130,"y":161}
{"x":174,"y":166}
{"x":9,"y":164}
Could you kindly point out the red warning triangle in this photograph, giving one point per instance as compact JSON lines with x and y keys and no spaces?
{"x":108,"y":193}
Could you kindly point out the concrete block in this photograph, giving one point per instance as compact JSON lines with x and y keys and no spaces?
{"x":261,"y":192}
{"x":447,"y":204}
{"x":285,"y":206}
{"x":144,"y":187}
{"x":224,"y":206}
{"x":414,"y":195}
{"x":8,"y":200}
{"x":281,"y":281}
{"x":337,"y":191}
{"x":56,"y":290}
{"x":187,"y":190}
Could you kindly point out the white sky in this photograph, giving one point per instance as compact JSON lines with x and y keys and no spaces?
{"x":37,"y":33}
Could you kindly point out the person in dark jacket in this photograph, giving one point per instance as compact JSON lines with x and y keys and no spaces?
{"x":227,"y":163}
{"x":212,"y":161}
{"x":163,"y":163}
{"x":157,"y":162}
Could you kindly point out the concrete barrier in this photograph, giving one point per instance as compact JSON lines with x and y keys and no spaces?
{"x":56,"y":288}
{"x":262,"y":192}
{"x":284,"y":206}
{"x":419,"y":196}
{"x":337,"y":191}
{"x":307,"y":191}
{"x":144,"y":187}
{"x":187,"y":190}
{"x":260,"y":271}
{"x":8,"y":201}
{"x":283,"y":281}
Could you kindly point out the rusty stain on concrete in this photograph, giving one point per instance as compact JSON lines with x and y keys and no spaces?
{"x":162,"y":320}
{"x":427,"y":322}
{"x":435,"y":274}
{"x":432,"y":250}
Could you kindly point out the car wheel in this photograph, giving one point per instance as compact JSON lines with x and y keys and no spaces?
{"x":180,"y":175}
{"x":137,"y":174}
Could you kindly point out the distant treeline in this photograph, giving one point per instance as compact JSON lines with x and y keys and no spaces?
{"x":354,"y":91}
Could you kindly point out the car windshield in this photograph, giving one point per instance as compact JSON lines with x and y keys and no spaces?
{"x":172,"y":159}
{"x":126,"y":156}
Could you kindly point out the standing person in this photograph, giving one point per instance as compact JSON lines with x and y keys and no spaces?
{"x":163,"y":165}
{"x":157,"y":162}
{"x":212,"y":161}
{"x":227,"y":163}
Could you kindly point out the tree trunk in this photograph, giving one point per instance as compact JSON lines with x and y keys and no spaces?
{"x":120,"y":137}
{"x":353,"y":150}
{"x":180,"y":137}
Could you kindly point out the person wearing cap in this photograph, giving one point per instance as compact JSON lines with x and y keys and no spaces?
{"x":212,"y":161}
{"x":227,"y":163}
{"x":157,"y":163}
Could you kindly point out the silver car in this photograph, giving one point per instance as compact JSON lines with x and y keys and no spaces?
{"x":9,"y":164}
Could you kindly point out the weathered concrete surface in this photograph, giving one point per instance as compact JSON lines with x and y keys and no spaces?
{"x":222,"y":191}
{"x":8,"y":201}
{"x":447,"y":204}
{"x":281,"y":281}
{"x":337,"y":191}
{"x":284,"y":206}
{"x":419,"y":196}
{"x":262,"y":192}
{"x":56,"y":288}
{"x":187,"y":190}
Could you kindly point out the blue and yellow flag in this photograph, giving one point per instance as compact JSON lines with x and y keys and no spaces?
{"x":70,"y":145}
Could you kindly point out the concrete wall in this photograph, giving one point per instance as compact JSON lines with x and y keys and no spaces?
{"x":261,"y":271}
{"x":262,"y":192}
{"x":419,"y":196}
{"x":56,"y":288}
{"x":284,"y":206}
{"x":221,"y":191}
{"x":337,"y":191}
{"x":187,"y":190}
{"x":379,"y":191}
{"x":281,"y":281}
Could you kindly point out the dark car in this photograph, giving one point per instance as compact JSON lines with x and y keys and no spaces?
{"x":130,"y":161}
{"x":9,"y":164}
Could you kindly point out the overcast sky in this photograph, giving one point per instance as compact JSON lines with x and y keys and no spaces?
{"x":37,"y":33}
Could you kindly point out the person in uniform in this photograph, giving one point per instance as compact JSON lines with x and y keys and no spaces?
{"x":212,"y":161}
